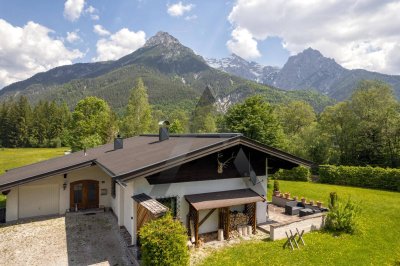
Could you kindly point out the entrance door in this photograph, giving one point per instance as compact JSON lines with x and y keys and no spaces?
{"x":84,"y":194}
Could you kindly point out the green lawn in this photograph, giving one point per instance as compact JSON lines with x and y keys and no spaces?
{"x":11,"y":158}
{"x":378,"y":243}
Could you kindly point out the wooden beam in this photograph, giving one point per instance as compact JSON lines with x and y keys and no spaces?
{"x":206,"y":217}
{"x":226,"y":222}
{"x":254,"y":217}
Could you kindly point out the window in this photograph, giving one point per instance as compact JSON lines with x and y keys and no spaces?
{"x":171,"y":203}
{"x":78,"y":193}
{"x":92,"y":192}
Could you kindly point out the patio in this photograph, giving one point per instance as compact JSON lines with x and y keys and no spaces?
{"x":279,"y":223}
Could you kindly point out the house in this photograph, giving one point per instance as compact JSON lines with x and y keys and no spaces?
{"x":141,"y":177}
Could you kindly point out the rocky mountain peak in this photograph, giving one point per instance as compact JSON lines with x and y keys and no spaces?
{"x":162,"y":38}
{"x":311,"y":52}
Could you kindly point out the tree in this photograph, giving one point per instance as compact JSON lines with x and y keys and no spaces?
{"x":20,"y":118}
{"x":137,"y":118}
{"x":365,"y":129}
{"x":256,"y":119}
{"x":203,"y":116}
{"x":295,"y":116}
{"x":92,"y":123}
{"x":176,"y":127}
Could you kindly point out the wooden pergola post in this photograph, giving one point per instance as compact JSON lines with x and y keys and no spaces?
{"x":226,"y":222}
{"x":194,"y":216}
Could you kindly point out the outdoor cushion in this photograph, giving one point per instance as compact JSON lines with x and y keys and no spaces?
{"x":305,"y":212}
{"x":292,"y":208}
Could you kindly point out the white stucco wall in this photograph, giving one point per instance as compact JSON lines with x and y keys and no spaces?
{"x":128,"y":207}
{"x":12,"y":205}
{"x":46,"y":200}
{"x":141,"y":185}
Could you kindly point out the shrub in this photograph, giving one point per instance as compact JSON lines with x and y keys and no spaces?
{"x":276,"y":185}
{"x":164,"y":242}
{"x":299,"y":173}
{"x":357,"y":176}
{"x":342,"y":216}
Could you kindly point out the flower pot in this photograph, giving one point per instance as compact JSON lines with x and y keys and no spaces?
{"x":295,"y":198}
{"x":281,"y":195}
{"x":303,"y":200}
{"x":287,"y":195}
{"x":311,"y":202}
{"x":319,"y":204}
{"x":277,"y":193}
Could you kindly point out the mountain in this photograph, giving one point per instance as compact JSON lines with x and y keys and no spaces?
{"x":306,"y":70}
{"x":238,"y":66}
{"x":174,"y":75}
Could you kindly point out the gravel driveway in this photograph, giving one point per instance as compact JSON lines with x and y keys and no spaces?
{"x":76,"y":239}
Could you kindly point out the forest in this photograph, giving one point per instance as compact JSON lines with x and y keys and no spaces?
{"x":363,"y":130}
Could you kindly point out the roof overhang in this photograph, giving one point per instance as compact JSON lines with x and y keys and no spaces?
{"x":191,"y":156}
{"x":63,"y":170}
{"x":155,"y":207}
{"x":221,"y":199}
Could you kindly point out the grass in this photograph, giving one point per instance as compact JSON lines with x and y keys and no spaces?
{"x":11,"y":158}
{"x":376,"y":243}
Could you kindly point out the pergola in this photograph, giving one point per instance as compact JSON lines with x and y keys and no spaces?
{"x":221,"y":200}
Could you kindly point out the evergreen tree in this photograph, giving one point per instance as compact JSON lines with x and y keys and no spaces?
{"x":137,"y":118}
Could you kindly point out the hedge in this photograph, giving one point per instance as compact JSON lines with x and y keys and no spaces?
{"x":299,"y":173}
{"x":357,"y":176}
{"x":164,"y":242}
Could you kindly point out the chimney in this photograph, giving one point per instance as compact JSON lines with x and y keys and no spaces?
{"x":163,"y":132}
{"x":118,"y":143}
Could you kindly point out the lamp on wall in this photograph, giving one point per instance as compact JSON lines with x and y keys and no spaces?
{"x":65,"y":182}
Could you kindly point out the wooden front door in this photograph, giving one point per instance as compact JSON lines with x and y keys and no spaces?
{"x":84,"y":194}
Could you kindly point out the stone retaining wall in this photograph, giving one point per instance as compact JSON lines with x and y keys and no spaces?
{"x":308,"y":223}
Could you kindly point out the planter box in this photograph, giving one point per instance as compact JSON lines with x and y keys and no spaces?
{"x":278,"y":201}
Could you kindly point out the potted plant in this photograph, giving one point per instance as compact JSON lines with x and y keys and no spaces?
{"x":303,"y":200}
{"x":319,"y":204}
{"x":295,"y":198}
{"x":311,"y":202}
{"x":281,"y":195}
{"x":276,"y":188}
{"x":287,"y":195}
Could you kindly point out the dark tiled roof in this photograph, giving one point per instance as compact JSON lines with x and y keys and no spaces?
{"x":137,"y":153}
{"x":221,"y":199}
{"x":142,"y":155}
{"x":152,"y":205}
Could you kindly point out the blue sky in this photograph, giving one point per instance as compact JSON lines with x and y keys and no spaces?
{"x":43,"y":34}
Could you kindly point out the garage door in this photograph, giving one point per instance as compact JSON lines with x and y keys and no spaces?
{"x":38,"y":200}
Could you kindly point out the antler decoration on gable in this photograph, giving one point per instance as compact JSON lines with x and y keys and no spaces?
{"x":222,"y":165}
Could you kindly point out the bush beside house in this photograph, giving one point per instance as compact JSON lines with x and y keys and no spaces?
{"x":299,"y":173}
{"x":164,"y":242}
{"x":368,"y":177}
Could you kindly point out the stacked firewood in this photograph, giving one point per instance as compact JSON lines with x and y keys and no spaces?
{"x":237,"y":219}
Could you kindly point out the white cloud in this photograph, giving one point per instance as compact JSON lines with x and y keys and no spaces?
{"x":73,"y":36}
{"x":94,"y":17}
{"x":119,"y":44}
{"x":100,"y":30}
{"x":178,"y":9}
{"x":192,"y":17}
{"x":243,"y":44}
{"x":93,"y":12}
{"x":73,"y":9}
{"x":358,"y":34}
{"x":28,"y":50}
